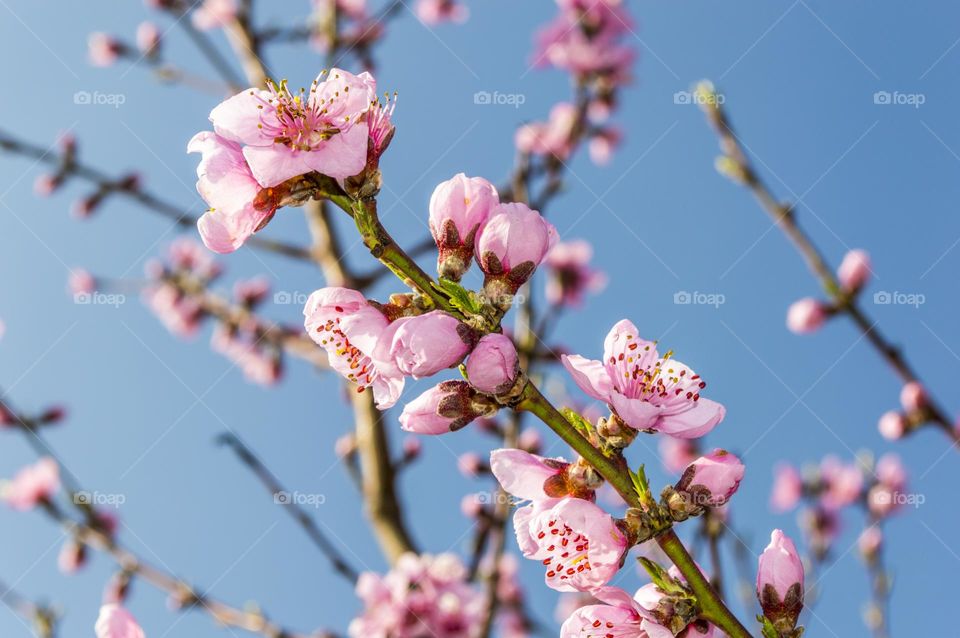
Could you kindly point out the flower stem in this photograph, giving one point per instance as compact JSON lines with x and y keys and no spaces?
{"x":614,"y":470}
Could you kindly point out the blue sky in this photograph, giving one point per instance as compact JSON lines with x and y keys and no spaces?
{"x":799,"y":81}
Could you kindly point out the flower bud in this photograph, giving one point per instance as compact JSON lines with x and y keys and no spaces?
{"x":493,"y":365}
{"x":423,"y":345}
{"x":148,"y":39}
{"x":780,"y":582}
{"x":446,"y":407}
{"x":806,"y":315}
{"x":854,"y":270}
{"x":81,"y":282}
{"x":913,"y":396}
{"x":870,"y":542}
{"x":712,"y":479}
{"x":509,"y":248}
{"x":458,"y":208}
{"x":73,"y":556}
{"x":470,"y":464}
{"x":103,"y":50}
{"x":892,"y":425}
{"x":787,"y":488}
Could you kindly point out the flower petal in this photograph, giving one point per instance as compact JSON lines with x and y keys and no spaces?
{"x":590,"y":375}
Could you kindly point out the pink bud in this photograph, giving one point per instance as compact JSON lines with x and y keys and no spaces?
{"x":787,"y":488}
{"x":513,"y":243}
{"x":148,"y":38}
{"x":46,"y":184}
{"x":73,"y":556}
{"x":345,"y":445}
{"x":412,"y":447}
{"x":913,"y":396}
{"x":116,"y":622}
{"x":472,"y":505}
{"x":81,"y":282}
{"x":713,"y":478}
{"x":458,"y":208}
{"x":780,"y":580}
{"x":530,"y":441}
{"x":443,"y":408}
{"x":806,"y":315}
{"x":53,"y":414}
{"x":423,"y":345}
{"x":103,"y":49}
{"x":854,"y":270}
{"x":892,"y":425}
{"x":493,"y":365}
{"x":469,"y":464}
{"x":870,"y":542}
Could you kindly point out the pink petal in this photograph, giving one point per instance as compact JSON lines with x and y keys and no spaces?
{"x":520,"y":473}
{"x":275,"y":164}
{"x":590,"y":375}
{"x":343,"y":155}
{"x":238,"y":117}
{"x":693,"y":422}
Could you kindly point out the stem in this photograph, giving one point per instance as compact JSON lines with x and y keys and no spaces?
{"x":784,"y":217}
{"x":300,"y":515}
{"x":615,"y":472}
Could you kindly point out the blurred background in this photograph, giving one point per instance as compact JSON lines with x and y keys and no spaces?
{"x":798,"y":80}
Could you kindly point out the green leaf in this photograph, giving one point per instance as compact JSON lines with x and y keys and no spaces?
{"x":577,"y":421}
{"x":769,"y":631}
{"x":660,"y":577}
{"x":640,"y":484}
{"x":462,"y":299}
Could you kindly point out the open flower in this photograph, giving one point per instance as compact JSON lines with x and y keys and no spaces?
{"x":116,"y":622}
{"x":348,"y":327}
{"x":620,"y":616}
{"x":580,"y":546}
{"x":647,"y":391}
{"x":32,"y":485}
{"x":227,"y":185}
{"x":285,"y":134}
{"x":570,"y":273}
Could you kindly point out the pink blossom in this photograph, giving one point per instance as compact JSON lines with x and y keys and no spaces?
{"x":566,"y":44}
{"x":787,"y":488}
{"x":421,"y":596}
{"x":72,"y":557}
{"x":602,"y":145}
{"x":780,"y":579}
{"x":570,"y":273}
{"x":513,"y":243}
{"x":258,"y":364}
{"x":842,"y":483}
{"x":423,"y":345}
{"x":103,"y":50}
{"x":148,"y":38}
{"x":888,"y":494}
{"x":553,"y":137}
{"x":227,"y":185}
{"x":578,"y":544}
{"x":214,"y":14}
{"x":284,"y":135}
{"x":715,"y":476}
{"x":32,"y":485}
{"x":188,"y":255}
{"x":530,"y":440}
{"x":619,"y":615}
{"x":348,"y":327}
{"x":117,"y":622}
{"x":458,"y":208}
{"x":81,"y":282}
{"x":493,"y":365}
{"x":913,"y":396}
{"x":434,"y":12}
{"x":892,"y":425}
{"x":45,"y":185}
{"x":854,"y":270}
{"x":806,"y":315}
{"x":446,"y":407}
{"x":646,"y":391}
{"x":179,"y":313}
{"x":470,"y":464}
{"x":250,"y":292}
{"x":527,"y":476}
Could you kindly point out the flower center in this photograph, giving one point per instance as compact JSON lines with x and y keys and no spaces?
{"x":302,"y":120}
{"x":638,"y":374}
{"x":356,"y":365}
{"x":568,"y":551}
